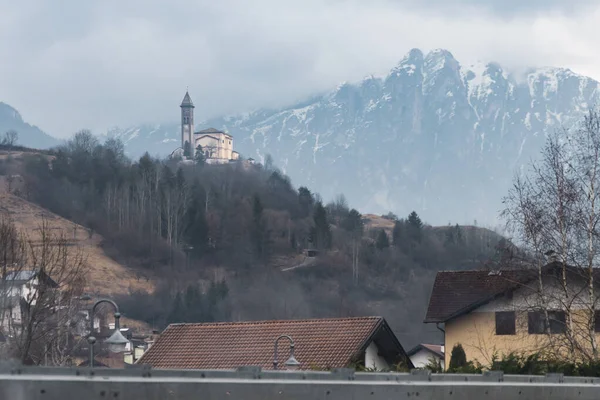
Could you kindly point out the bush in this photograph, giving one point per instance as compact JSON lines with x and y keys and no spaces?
{"x":458,"y":358}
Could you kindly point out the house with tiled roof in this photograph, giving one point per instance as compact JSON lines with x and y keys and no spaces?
{"x":317,"y":344}
{"x":496,"y":312}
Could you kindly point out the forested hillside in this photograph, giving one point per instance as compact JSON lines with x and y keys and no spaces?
{"x":228,"y":242}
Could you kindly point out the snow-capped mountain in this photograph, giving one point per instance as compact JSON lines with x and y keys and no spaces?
{"x":433,"y":136}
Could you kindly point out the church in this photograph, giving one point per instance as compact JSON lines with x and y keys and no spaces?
{"x":216,"y":145}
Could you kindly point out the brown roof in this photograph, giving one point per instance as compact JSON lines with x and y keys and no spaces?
{"x":320,"y":343}
{"x":432,"y":348}
{"x":458,"y":292}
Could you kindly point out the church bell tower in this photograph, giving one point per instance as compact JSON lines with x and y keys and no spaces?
{"x":187,"y":123}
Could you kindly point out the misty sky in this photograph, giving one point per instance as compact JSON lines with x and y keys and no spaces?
{"x":72,"y":64}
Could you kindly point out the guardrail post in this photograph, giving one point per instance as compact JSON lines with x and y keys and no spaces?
{"x":420,"y":375}
{"x":249,"y":372}
{"x":554,"y":377}
{"x":494,"y":376}
{"x":343,"y":373}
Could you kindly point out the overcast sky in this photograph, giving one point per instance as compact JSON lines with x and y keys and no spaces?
{"x":72,"y":64}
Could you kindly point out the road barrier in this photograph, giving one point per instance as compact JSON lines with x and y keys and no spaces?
{"x":250,"y":383}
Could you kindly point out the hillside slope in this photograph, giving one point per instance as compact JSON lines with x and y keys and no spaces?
{"x":106,"y":277}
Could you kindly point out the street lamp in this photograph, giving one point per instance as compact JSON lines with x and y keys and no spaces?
{"x":291,"y":362}
{"x":116,"y":342}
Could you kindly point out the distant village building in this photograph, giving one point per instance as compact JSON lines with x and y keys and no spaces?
{"x":217,"y":146}
{"x":422,"y":355}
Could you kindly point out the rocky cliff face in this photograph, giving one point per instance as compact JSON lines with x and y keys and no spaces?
{"x":433,"y":136}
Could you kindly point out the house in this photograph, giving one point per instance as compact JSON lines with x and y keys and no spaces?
{"x":422,"y":354}
{"x":496,"y":312}
{"x":18,"y":291}
{"x":319,"y":344}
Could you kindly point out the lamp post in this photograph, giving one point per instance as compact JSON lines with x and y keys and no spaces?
{"x":291,"y":363}
{"x":116,"y":342}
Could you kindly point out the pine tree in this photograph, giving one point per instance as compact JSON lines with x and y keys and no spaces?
{"x":306,"y":200}
{"x":382,"y":241}
{"x":353,"y":222}
{"x":195,"y":225}
{"x":199,"y":156}
{"x":399,"y":233}
{"x":259,"y":233}
{"x":415,"y":226}
{"x":322,"y":230}
{"x":458,"y":358}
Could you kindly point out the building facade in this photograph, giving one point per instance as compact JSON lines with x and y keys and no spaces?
{"x":216,"y":145}
{"x":495,"y":313}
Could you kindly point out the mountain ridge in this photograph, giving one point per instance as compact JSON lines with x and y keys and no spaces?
{"x":29,"y":135}
{"x":430,"y":135}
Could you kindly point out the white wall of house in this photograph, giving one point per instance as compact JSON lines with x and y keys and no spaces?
{"x":373,"y":359}
{"x":421,"y":358}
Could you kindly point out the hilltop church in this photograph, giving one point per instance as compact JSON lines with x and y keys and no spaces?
{"x":216,"y":145}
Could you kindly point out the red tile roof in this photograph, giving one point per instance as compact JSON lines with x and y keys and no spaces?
{"x":320,"y":343}
{"x":457,"y":292}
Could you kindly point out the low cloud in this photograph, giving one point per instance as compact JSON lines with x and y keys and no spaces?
{"x":100,"y":64}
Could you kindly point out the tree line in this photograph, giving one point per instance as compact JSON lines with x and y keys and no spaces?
{"x":195,"y":227}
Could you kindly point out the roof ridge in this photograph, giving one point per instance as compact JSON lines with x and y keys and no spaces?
{"x":280,"y":321}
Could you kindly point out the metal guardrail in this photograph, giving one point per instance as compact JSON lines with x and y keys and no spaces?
{"x":251,"y":383}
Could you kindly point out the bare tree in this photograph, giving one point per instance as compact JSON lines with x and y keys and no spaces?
{"x":554,"y":213}
{"x":41,"y":284}
{"x":11,"y":138}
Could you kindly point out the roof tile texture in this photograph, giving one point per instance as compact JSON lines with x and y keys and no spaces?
{"x":456,"y":291}
{"x":320,"y":343}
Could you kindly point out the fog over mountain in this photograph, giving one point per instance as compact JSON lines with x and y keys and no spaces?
{"x":433,"y":135}
{"x":29,"y":135}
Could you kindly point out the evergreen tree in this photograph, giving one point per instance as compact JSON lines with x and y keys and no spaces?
{"x":458,"y":358}
{"x":259,"y":231}
{"x":382,"y":241}
{"x":322,"y":230}
{"x":399,"y":232}
{"x":195,"y":225}
{"x":458,"y":236}
{"x":187,"y":149}
{"x":199,"y":156}
{"x":415,"y":226}
{"x":306,"y":200}
{"x":353,"y":222}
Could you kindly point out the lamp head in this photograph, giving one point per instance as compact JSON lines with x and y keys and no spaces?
{"x":117,"y":342}
{"x":292,"y":363}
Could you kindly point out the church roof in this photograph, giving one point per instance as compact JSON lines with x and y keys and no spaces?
{"x":210,"y":130}
{"x":187,"y":100}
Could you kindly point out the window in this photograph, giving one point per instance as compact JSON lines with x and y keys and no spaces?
{"x":597,"y":321}
{"x":537,"y":322}
{"x":557,"y":322}
{"x":505,"y":323}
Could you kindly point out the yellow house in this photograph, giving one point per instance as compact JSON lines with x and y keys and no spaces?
{"x":520,"y":310}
